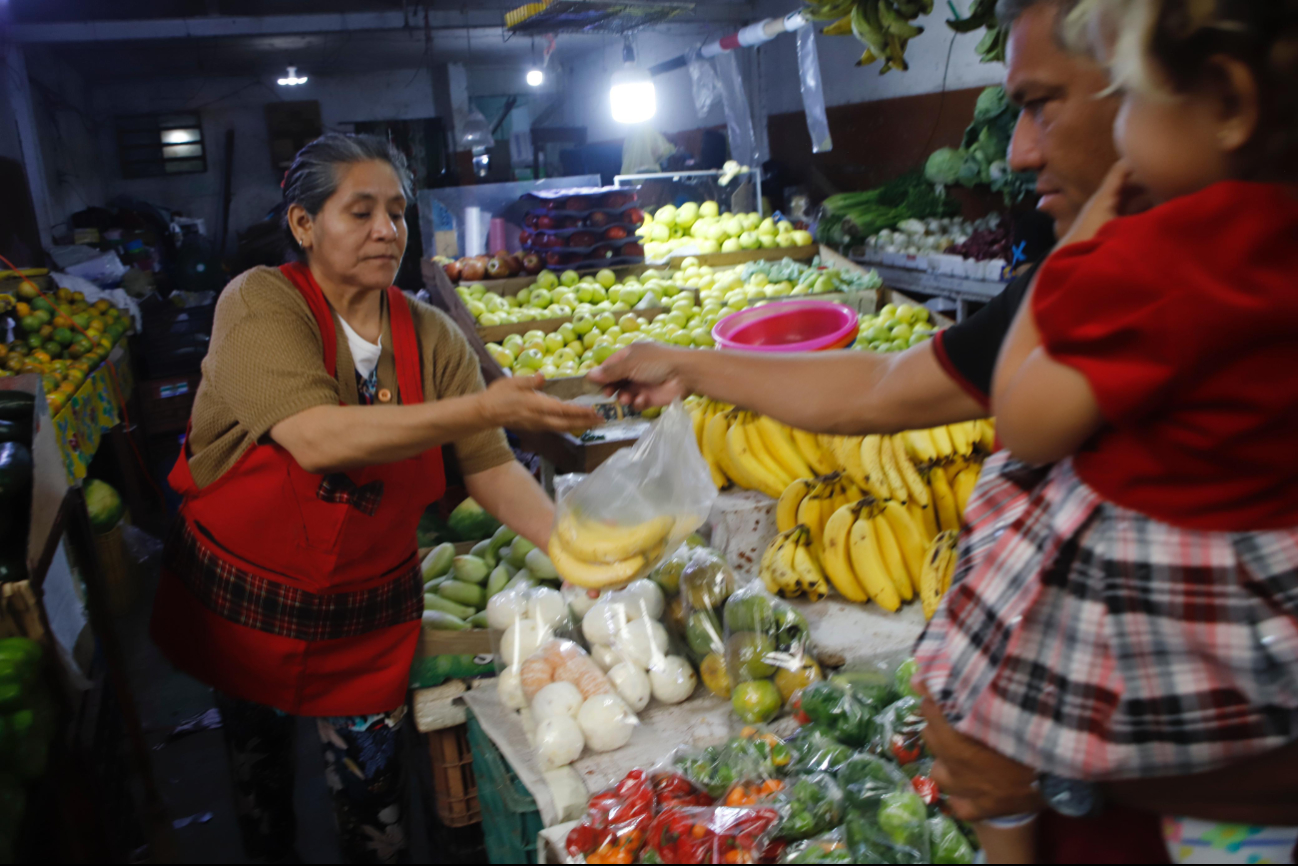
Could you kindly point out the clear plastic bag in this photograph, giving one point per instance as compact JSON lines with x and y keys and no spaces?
{"x":617,"y":819}
{"x":711,"y":834}
{"x":768,"y":653}
{"x":809,"y":805}
{"x":815,"y":750}
{"x":813,"y":91}
{"x":706,"y":582}
{"x":522,"y":618}
{"x":828,"y":847}
{"x":746,"y":761}
{"x":638,"y":506}
{"x":866,"y":778}
{"x":739,"y":117}
{"x":628,"y":640}
{"x":573,"y":704}
{"x":895,"y":832}
{"x":947,"y":842}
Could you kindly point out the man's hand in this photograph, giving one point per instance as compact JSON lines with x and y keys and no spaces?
{"x":643,"y":375}
{"x":516,"y":403}
{"x":980,"y":782}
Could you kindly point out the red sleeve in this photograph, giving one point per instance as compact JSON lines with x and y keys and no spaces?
{"x":1103,"y":313}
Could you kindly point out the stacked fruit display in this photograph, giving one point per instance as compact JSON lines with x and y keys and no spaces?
{"x":894,"y":328}
{"x":459,"y":589}
{"x":704,"y":228}
{"x":555,"y":297}
{"x":500,"y":265}
{"x":756,"y":281}
{"x":590,"y":338}
{"x":582,"y":227}
{"x":62,"y":337}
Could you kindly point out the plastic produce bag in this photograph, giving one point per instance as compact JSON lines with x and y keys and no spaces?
{"x":947,"y":843}
{"x":813,"y":91}
{"x":638,"y":506}
{"x":829,"y":847}
{"x":710,"y":834}
{"x":809,"y":805}
{"x":866,"y":778}
{"x":739,"y":117}
{"x":574,"y":705}
{"x":628,"y":640}
{"x":815,"y":750}
{"x":523,"y":618}
{"x":747,"y":760}
{"x":706,"y":582}
{"x":897,"y":832}
{"x":768,"y":653}
{"x":617,"y":819}
{"x":901,"y":729}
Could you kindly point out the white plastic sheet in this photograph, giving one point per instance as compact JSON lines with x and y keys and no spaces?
{"x":813,"y":91}
{"x":739,"y":119}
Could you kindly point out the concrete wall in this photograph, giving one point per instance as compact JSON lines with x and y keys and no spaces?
{"x":69,"y":137}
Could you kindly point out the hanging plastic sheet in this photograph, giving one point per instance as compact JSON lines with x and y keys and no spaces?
{"x":703,"y":78}
{"x":739,"y":120}
{"x":813,"y":91}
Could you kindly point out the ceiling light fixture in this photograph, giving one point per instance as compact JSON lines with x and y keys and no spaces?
{"x":632,"y":96}
{"x":535,"y":77}
{"x":292,"y":78}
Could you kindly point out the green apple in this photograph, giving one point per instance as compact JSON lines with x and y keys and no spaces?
{"x":767,"y":227}
{"x":605,"y":278}
{"x":563,"y":355}
{"x":677,"y":319}
{"x":570,"y":278}
{"x":576,"y":347}
{"x":731,"y":245}
{"x":603,"y":307}
{"x":598,"y":293}
{"x":531,"y":359}
{"x":604,"y":352}
{"x":708,"y":247}
{"x":751,"y":221}
{"x":709,"y":209}
{"x":625,"y":340}
{"x":631,"y":295}
{"x":619,"y":308}
{"x":784,"y":227}
{"x":660,"y":234}
{"x":540,"y":299}
{"x":547,"y":280}
{"x":887,"y":312}
{"x":749,"y":241}
{"x":589,"y":340}
{"x":682,"y":338}
{"x":554,"y":342}
{"x":905,"y":314}
{"x":477,"y":290}
{"x":768,"y":242}
{"x":803,"y":239}
{"x":476,"y":309}
{"x":702,"y":337}
{"x":665,"y":215}
{"x":489,"y":320}
{"x":613,"y":333}
{"x":514,"y":339}
{"x":584,"y":294}
{"x":901,"y":333}
{"x":800,"y":290}
{"x":582,"y":325}
{"x":689,"y":262}
{"x":566,"y":332}
{"x":605,"y":321}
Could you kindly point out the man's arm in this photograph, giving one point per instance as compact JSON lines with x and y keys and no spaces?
{"x":845,"y":392}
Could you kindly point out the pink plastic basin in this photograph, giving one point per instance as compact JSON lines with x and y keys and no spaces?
{"x":788,"y":326}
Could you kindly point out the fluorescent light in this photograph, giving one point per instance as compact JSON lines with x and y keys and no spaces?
{"x":632,"y":96}
{"x":535,"y":77}
{"x":292,"y":79}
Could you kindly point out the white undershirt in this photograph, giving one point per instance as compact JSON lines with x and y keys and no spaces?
{"x":364,"y":353}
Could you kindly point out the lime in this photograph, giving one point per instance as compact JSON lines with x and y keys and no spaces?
{"x":714,"y":675}
{"x":34,"y":341}
{"x":53,"y":349}
{"x":756,"y":702}
{"x":30,"y":324}
{"x":789,"y":681}
{"x":63,"y":336}
{"x":747,"y":653}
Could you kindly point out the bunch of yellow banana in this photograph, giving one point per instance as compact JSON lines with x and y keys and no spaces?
{"x":751,"y":450}
{"x":939,"y":567}
{"x":883,"y":26}
{"x":593,"y":554}
{"x":789,"y":568}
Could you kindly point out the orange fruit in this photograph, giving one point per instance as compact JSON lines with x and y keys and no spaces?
{"x":46,"y":331}
{"x":42,"y":356}
{"x":101,"y":306}
{"x":61,"y":321}
{"x":98,"y":325}
{"x":63,"y":294}
{"x":56,"y":402}
{"x":78,"y":297}
{"x":69,"y":387}
{"x":23,"y":308}
{"x":92,"y":335}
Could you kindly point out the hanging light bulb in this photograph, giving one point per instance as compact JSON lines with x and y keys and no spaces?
{"x":632,"y":96}
{"x":535,"y":77}
{"x":292,"y":78}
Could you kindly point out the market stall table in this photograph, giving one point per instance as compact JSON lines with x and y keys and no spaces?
{"x":95,"y":408}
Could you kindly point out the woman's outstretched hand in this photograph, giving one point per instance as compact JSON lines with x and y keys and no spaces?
{"x":643,"y":375}
{"x":517,"y":403}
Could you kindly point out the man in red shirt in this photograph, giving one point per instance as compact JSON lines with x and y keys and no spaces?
{"x":1065,"y":135}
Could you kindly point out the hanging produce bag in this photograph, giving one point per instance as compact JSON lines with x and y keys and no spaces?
{"x":637,"y":507}
{"x":768,"y":653}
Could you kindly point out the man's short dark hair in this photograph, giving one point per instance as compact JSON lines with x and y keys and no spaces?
{"x":1008,"y":11}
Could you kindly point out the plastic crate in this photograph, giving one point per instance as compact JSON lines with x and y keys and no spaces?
{"x":510,"y":820}
{"x":455,"y":791}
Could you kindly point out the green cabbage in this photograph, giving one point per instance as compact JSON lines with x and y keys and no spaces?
{"x":944,"y":166}
{"x":991,"y":102}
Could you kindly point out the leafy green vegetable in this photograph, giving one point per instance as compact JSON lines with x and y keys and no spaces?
{"x":944,"y":165}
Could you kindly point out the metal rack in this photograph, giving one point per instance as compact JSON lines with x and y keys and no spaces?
{"x":592,"y":16}
{"x":729,"y":192}
{"x":959,"y":289}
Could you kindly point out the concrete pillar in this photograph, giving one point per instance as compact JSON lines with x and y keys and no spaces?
{"x":18,"y":90}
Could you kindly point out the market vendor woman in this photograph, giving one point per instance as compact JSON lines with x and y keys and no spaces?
{"x":291,"y":584}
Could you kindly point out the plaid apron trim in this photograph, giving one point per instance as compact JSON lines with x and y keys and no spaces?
{"x":266,"y":605}
{"x":1091,"y":641}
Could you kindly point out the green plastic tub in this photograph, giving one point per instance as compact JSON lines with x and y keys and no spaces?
{"x":510,"y":820}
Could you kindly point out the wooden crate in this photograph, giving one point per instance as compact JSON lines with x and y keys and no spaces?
{"x":455,"y":790}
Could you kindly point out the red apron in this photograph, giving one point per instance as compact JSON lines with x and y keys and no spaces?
{"x":302,"y":591}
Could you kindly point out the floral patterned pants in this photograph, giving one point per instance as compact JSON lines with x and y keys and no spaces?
{"x":363,"y":765}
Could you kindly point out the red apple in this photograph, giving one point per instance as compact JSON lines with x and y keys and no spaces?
{"x":554,"y":258}
{"x":553,"y":204}
{"x":524,"y":238}
{"x":633,"y":249}
{"x":605,"y":252}
{"x":532,"y":263}
{"x":452,"y":271}
{"x":577,"y":202}
{"x":581,"y":239}
{"x":472,"y":270}
{"x":497,"y":269}
{"x":530,"y":220}
{"x":617,"y":199}
{"x":515,"y":264}
{"x":598,"y":219}
{"x":615,"y":233}
{"x":634,"y":216}
{"x":545,"y":221}
{"x":570,"y":223}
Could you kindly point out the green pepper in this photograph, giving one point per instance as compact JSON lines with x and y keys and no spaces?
{"x":948,"y":845}
{"x":21,"y":669}
{"x":11,"y":696}
{"x":866,"y":778}
{"x":21,"y":647}
{"x":902,"y":815}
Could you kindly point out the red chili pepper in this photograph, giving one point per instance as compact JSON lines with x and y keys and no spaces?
{"x":926,"y":788}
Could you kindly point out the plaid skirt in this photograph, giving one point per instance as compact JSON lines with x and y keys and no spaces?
{"x":1093,"y":642}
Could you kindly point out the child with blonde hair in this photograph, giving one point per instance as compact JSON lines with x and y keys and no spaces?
{"x":1132,"y":609}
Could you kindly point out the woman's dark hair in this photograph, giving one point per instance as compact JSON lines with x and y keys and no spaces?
{"x":313,"y":177}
